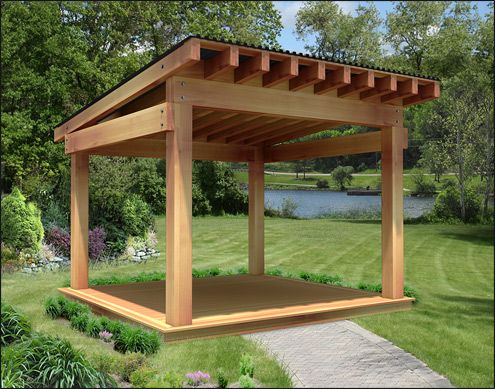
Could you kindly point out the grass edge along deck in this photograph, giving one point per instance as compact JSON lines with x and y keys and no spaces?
{"x":353,"y":303}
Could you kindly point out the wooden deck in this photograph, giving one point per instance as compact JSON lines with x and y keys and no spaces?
{"x":236,"y":304}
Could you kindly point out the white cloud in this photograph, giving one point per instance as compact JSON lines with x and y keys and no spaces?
{"x":288,"y":10}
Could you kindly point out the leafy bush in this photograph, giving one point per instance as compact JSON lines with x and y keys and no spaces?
{"x":12,"y":370}
{"x":21,"y":222}
{"x":105,"y":363}
{"x":50,"y":362}
{"x":422,"y":184}
{"x":73,"y":308}
{"x":53,"y":215}
{"x":15,"y":326}
{"x":10,"y":259}
{"x":217,"y":183}
{"x":167,"y":380}
{"x":246,"y":381}
{"x":448,"y":204}
{"x":141,"y":377}
{"x":113,"y":326}
{"x":246,"y":365}
{"x":93,"y":327}
{"x":96,"y":242}
{"x":54,"y":306}
{"x":79,"y":322}
{"x":288,"y":208}
{"x":322,"y":184}
{"x":200,"y":204}
{"x":149,"y":183}
{"x":222,"y":380}
{"x":377,"y":288}
{"x":322,"y":278}
{"x":135,"y":339}
{"x":130,"y":363}
{"x":59,"y":239}
{"x":342,"y":175}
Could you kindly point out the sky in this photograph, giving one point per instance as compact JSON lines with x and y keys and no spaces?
{"x":288,"y":10}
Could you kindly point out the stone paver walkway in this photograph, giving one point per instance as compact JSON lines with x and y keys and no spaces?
{"x":343,"y":354}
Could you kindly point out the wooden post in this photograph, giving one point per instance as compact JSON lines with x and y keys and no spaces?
{"x":79,"y":221}
{"x":179,"y":217}
{"x":392,"y":213}
{"x":257,"y":214}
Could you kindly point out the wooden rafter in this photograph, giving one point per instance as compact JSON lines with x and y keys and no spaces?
{"x":404,"y":89}
{"x":359,"y":82}
{"x":281,"y":71}
{"x":240,"y":132}
{"x":308,"y":75}
{"x":263,"y":131}
{"x":425,"y":93}
{"x":212,"y":118}
{"x":255,"y":66}
{"x":222,"y":62}
{"x":334,"y":79}
{"x":294,"y":126}
{"x":295,"y":133}
{"x":383,"y":86}
{"x":222,"y":125}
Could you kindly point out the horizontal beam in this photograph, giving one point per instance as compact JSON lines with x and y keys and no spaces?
{"x":253,"y":67}
{"x":283,"y":103}
{"x":335,"y":79}
{"x":155,"y":148}
{"x":186,"y":55}
{"x":222,"y":62}
{"x":142,"y":123}
{"x":331,"y":147}
{"x":281,"y":71}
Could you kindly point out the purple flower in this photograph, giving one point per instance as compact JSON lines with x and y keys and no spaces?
{"x":105,"y":336}
{"x":196,"y":378}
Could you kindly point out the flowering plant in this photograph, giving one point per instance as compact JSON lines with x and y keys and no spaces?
{"x":105,"y":336}
{"x":196,"y":378}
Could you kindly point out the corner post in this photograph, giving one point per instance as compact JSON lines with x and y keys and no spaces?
{"x":79,"y":221}
{"x":178,"y":308}
{"x":256,"y":213}
{"x":392,"y":213}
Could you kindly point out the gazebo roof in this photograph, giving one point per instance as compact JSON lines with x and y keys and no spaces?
{"x":286,"y":74}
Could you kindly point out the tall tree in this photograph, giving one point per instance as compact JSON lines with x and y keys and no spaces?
{"x":340,"y":36}
{"x":58,"y":56}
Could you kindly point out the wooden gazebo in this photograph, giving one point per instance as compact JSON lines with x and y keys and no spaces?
{"x":214,"y":100}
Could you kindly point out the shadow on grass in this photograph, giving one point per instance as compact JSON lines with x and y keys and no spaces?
{"x":480,"y":235}
{"x":470,"y":305}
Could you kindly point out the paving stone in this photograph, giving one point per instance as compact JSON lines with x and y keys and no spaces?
{"x":343,"y":354}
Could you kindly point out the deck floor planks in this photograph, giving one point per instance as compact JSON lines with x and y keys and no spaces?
{"x":224,"y":302}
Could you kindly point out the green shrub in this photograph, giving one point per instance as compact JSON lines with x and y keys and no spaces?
{"x":377,"y":288}
{"x":130,"y":363}
{"x":246,"y":381}
{"x":246,"y":365}
{"x":422,"y":184}
{"x":135,"y":339}
{"x":73,"y":308}
{"x":322,"y":184}
{"x":14,"y":325}
{"x":79,"y":322}
{"x":342,"y":175}
{"x":53,"y":216}
{"x":288,"y":208}
{"x":149,"y":183}
{"x":141,"y":377}
{"x":200,"y":204}
{"x":21,"y":222}
{"x":50,"y":362}
{"x":93,"y":327}
{"x":167,"y":380}
{"x":12,"y":370}
{"x":53,"y":307}
{"x":137,"y":216}
{"x":322,"y":278}
{"x":448,"y":204}
{"x":222,"y":380}
{"x":8,"y":254}
{"x":105,"y":363}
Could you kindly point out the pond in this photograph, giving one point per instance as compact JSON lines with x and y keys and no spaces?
{"x":317,"y":203}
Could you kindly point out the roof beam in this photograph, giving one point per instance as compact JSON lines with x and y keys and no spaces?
{"x":359,"y":82}
{"x":295,"y":133}
{"x":285,"y":129}
{"x":283,"y":103}
{"x":221,"y":125}
{"x":155,"y":148}
{"x":256,"y":65}
{"x":281,"y":71}
{"x":334,"y":79}
{"x":425,"y":93}
{"x":186,"y":55}
{"x":222,"y":62}
{"x":382,"y":87}
{"x":331,"y":147}
{"x":404,"y":89}
{"x":266,"y":130}
{"x":146,"y":122}
{"x":211,"y":118}
{"x":246,"y":129}
{"x":308,"y":75}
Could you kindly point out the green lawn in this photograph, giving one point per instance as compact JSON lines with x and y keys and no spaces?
{"x":281,"y":180}
{"x":451,"y":268}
